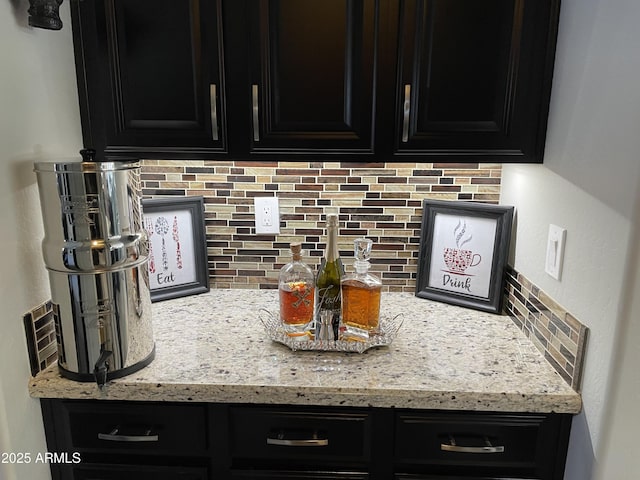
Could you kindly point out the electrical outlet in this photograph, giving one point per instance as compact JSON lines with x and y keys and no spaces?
{"x":555,"y":251}
{"x":267,"y":219}
{"x":267,"y":215}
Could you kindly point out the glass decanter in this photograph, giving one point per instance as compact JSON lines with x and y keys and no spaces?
{"x":360,"y":296}
{"x":296,"y":288}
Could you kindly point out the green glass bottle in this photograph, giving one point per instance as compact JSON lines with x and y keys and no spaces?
{"x":328,"y":299}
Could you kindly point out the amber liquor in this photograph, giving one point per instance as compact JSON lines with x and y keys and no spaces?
{"x":360,"y":296}
{"x":296,"y":285}
{"x":361,"y":305}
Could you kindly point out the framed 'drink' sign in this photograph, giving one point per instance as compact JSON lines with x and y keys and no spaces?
{"x":463,"y":253}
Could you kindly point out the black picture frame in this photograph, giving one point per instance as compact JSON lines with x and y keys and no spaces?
{"x":177,"y":247}
{"x":463,"y":253}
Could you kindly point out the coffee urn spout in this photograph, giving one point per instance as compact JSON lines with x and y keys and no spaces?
{"x":102,"y":368}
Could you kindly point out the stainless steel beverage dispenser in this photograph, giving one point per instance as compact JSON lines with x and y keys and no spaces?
{"x":95,"y":250}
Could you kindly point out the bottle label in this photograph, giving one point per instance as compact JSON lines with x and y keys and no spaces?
{"x":303,"y":295}
{"x":296,"y":303}
{"x":329,"y":297}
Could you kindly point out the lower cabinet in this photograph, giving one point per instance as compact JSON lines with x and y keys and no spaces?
{"x":273,"y":437}
{"x":134,"y":472}
{"x":283,"y":442}
{"x":105,"y":440}
{"x":109,"y":440}
{"x":285,"y":475}
{"x":448,"y":477}
{"x":480,"y":445}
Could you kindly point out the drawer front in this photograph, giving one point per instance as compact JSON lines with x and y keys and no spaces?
{"x":439,"y":477}
{"x":281,"y":475}
{"x":134,"y":427}
{"x":292,"y":434}
{"x":134,"y":472}
{"x":471,"y":443}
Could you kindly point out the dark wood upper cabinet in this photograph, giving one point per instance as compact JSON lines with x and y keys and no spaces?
{"x":370,"y":80}
{"x":150,"y":76}
{"x":473,"y":78}
{"x":312,"y":75}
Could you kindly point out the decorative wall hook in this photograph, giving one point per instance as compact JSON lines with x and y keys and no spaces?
{"x":44,"y":14}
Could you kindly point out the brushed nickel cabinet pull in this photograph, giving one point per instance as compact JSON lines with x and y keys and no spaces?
{"x":406,"y":112}
{"x":313,"y":441}
{"x":213,"y":102}
{"x":453,"y":447}
{"x":256,"y":119}
{"x":114,"y":436}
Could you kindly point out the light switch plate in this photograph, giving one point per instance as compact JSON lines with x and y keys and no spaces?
{"x":267,"y":215}
{"x":555,"y":251}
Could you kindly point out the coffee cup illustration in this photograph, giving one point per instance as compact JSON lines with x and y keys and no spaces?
{"x":458,"y":260}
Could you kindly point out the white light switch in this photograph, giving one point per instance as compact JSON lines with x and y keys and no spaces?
{"x":267,"y":214}
{"x":555,"y":251}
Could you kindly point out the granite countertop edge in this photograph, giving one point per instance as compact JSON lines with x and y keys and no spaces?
{"x":268,"y":395}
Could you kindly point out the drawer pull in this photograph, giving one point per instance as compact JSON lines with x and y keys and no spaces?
{"x":114,"y":436}
{"x":454,"y":447}
{"x":314,"y":441}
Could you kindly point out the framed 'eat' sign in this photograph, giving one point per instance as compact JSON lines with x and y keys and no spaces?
{"x":177,"y":247}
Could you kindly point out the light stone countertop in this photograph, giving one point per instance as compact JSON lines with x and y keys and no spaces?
{"x":213,"y":348}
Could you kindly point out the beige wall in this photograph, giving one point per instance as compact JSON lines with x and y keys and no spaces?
{"x":589,"y":184}
{"x":39,"y":120}
{"x":619,"y":457}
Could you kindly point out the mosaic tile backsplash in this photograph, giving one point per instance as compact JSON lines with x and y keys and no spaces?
{"x":380,"y":200}
{"x":553,"y":330}
{"x":41,"y":337}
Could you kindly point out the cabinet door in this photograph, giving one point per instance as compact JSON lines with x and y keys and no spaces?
{"x":109,"y":471}
{"x":474,"y":78}
{"x":149,"y":76}
{"x":284,"y":475}
{"x":134,"y":472}
{"x":312,"y":76}
{"x":439,"y":477}
{"x":431,"y":477}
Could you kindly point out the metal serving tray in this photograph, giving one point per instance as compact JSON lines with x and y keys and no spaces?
{"x":388,"y":330}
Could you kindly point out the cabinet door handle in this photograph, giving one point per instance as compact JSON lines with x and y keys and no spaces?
{"x":487,"y":448}
{"x":213,"y":102}
{"x":254,"y":108}
{"x":406,"y":111}
{"x":114,"y":436}
{"x":313,"y":441}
